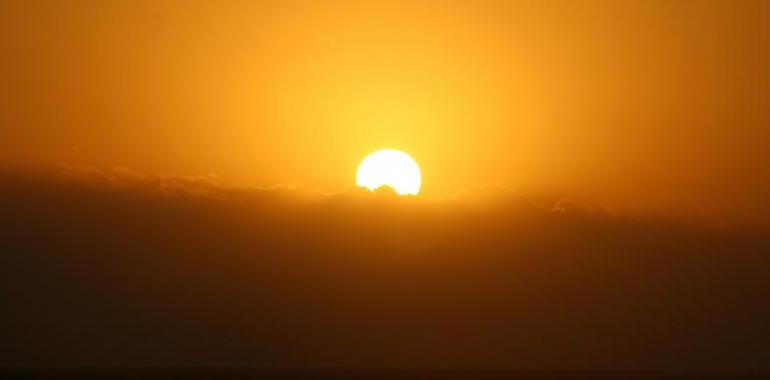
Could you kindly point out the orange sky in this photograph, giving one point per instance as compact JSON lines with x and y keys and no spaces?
{"x":647,"y":105}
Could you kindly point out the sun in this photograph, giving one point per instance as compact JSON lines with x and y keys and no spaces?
{"x":389,"y":167}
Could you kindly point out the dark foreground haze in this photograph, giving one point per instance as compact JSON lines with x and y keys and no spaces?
{"x":116,"y":269}
{"x":369,"y":374}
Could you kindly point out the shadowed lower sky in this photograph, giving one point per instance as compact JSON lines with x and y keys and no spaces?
{"x":117,"y":268}
{"x":648,"y":105}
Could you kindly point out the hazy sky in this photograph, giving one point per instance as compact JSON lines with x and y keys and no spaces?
{"x":650,"y":105}
{"x":161,"y":161}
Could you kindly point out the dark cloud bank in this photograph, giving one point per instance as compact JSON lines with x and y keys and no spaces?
{"x":115,"y":268}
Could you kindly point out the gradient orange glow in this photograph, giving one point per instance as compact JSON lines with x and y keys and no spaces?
{"x":206,"y":188}
{"x":651,"y":105}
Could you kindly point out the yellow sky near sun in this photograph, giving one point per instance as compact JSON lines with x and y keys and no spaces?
{"x":633,"y":103}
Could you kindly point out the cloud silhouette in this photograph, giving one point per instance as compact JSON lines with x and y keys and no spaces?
{"x":112,"y":267}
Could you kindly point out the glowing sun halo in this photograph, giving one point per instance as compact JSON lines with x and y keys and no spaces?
{"x":389,"y":167}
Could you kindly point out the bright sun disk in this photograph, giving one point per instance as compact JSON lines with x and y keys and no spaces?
{"x":389,"y":167}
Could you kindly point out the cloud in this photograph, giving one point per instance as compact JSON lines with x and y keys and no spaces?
{"x":114,"y":267}
{"x":122,"y":177}
{"x":210,"y":187}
